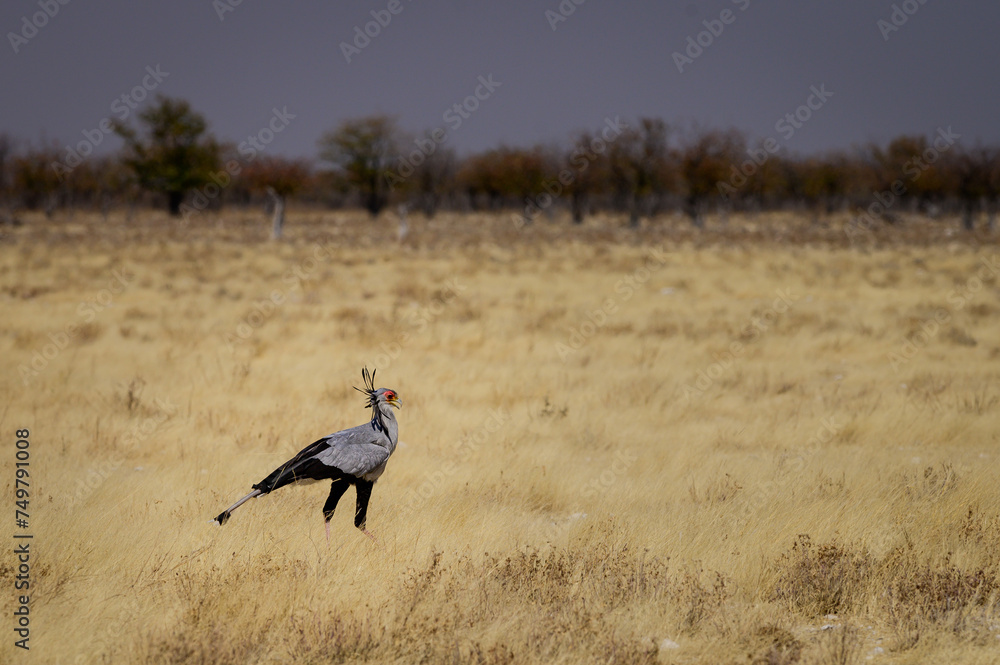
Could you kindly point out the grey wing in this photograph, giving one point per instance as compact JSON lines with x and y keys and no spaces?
{"x":356,"y":459}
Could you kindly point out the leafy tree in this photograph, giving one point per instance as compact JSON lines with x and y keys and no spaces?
{"x":433,"y":179}
{"x":480,"y":175}
{"x":505,"y":175}
{"x":425,"y":176}
{"x":895,"y":163}
{"x":115,"y":182}
{"x":768,"y":183}
{"x":363,"y":148}
{"x":993,"y":187}
{"x":705,"y":162}
{"x":6,"y":149}
{"x":975,"y":180}
{"x":641,"y":168}
{"x":824,"y":182}
{"x":523,"y":175}
{"x":35,"y":181}
{"x":175,"y":155}
{"x":588,"y":170}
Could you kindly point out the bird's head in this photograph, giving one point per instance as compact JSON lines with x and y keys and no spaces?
{"x":389,"y":396}
{"x":377,"y":396}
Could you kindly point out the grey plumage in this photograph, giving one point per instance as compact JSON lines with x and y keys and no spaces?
{"x":355,"y":456}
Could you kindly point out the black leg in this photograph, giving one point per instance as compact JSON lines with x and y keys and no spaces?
{"x":337,"y":490}
{"x":364,"y":488}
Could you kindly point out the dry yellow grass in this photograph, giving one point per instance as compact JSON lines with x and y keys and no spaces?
{"x":766,"y":453}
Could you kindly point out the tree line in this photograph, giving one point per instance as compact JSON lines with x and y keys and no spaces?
{"x":638,"y":168}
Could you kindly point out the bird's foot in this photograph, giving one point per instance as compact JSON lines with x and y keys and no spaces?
{"x":370,"y":534}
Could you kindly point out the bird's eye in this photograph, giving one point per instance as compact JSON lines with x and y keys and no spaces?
{"x":390,"y":395}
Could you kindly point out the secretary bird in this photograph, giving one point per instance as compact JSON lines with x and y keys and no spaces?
{"x":355,"y":456}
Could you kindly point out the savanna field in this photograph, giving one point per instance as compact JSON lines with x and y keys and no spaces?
{"x":756,"y":443}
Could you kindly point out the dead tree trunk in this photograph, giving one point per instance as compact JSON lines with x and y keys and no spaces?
{"x":968,"y":216}
{"x":693,"y":208}
{"x":404,"y":227}
{"x":578,"y":206}
{"x":278,"y":221}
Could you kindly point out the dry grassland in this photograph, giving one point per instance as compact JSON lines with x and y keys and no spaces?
{"x":748,"y":445}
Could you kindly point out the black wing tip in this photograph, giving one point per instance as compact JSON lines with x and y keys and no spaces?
{"x":223,"y":517}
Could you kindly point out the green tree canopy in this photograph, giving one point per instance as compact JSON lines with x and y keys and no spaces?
{"x":174,"y":154}
{"x":364,"y":148}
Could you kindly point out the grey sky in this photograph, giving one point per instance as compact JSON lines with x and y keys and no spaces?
{"x":607,"y":58}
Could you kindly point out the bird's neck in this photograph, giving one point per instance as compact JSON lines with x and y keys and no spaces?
{"x":385,"y":421}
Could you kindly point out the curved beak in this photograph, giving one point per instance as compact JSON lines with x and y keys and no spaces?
{"x":395,"y":401}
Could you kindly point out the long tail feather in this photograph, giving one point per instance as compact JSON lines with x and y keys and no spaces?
{"x":227,"y":513}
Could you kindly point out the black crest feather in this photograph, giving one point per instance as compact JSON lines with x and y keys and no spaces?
{"x":369,"y":389}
